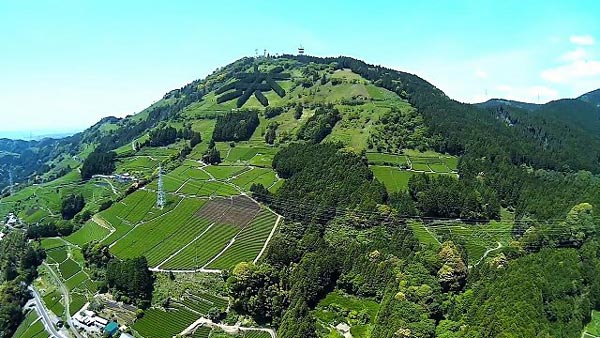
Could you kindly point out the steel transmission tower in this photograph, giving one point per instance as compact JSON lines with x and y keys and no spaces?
{"x":10,"y":181}
{"x":160,"y":200}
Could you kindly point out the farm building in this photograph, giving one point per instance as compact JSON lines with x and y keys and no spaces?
{"x":89,"y":321}
{"x":111,"y":329}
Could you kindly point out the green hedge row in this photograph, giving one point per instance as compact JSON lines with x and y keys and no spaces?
{"x":261,"y":98}
{"x":229,"y":96}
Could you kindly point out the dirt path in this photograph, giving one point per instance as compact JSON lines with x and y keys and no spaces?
{"x":232,"y":329}
{"x":184,"y":247}
{"x":103,"y":223}
{"x":114,"y":190}
{"x":262,"y":251}
{"x":500,"y":246}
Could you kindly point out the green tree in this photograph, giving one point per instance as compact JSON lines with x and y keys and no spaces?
{"x":71,"y":205}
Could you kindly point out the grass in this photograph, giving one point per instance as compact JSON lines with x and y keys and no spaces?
{"x":69,"y":268}
{"x":53,"y":302}
{"x":248,"y":242}
{"x":224,"y":172}
{"x":142,"y":164}
{"x":76,"y":280}
{"x":325,"y":312}
{"x":420,"y":167}
{"x":90,"y":231}
{"x":438,"y":162}
{"x":476,"y":238}
{"x":196,"y":174}
{"x":31,"y":327}
{"x":262,"y":160}
{"x":439,"y":168}
{"x":394,"y":179}
{"x":263,"y":176}
{"x":593,"y":327}
{"x":158,"y":323}
{"x":202,"y":302}
{"x":77,"y":302}
{"x":349,"y":302}
{"x":207,"y":188}
{"x":58,"y":255}
{"x":422,"y":234}
{"x":386,"y":159}
{"x":246,"y":152}
{"x":53,"y":242}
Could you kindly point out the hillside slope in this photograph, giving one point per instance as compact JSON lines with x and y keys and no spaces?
{"x":328,"y":191}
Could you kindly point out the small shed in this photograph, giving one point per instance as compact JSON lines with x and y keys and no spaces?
{"x":111,"y":328}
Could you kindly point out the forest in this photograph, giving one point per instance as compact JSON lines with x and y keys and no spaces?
{"x":18,"y":267}
{"x":98,"y":163}
{"x":131,"y":281}
{"x":318,"y":126}
{"x":423,"y":291}
{"x":235,"y":126}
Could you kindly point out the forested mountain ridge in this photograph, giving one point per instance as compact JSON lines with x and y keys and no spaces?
{"x":592,"y":97}
{"x":493,"y":103}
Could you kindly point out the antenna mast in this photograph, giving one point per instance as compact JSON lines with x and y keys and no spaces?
{"x":160,"y":199}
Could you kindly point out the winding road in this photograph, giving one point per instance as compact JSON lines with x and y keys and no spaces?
{"x":67,"y":299}
{"x":45,"y":316}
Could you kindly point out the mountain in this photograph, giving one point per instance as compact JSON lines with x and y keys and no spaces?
{"x":493,"y":103}
{"x":299,"y":194}
{"x":582,"y":112}
{"x":592,"y":97}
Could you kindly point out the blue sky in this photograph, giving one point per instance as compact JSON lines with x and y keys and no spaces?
{"x":65,"y":64}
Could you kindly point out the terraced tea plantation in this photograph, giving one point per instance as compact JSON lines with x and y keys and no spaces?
{"x":207,"y":331}
{"x":67,"y":264}
{"x":206,"y":223}
{"x":394,"y":170}
{"x":31,"y":327}
{"x":42,"y":202}
{"x":179,"y":315}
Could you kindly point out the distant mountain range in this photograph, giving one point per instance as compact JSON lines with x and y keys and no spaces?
{"x":37,"y":135}
{"x":592,"y":97}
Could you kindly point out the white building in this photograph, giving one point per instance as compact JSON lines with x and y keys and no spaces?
{"x":89,"y":321}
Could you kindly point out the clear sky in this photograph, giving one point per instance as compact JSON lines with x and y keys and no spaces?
{"x":64,"y":64}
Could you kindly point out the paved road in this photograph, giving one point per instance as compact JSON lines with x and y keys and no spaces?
{"x":45,"y":317}
{"x":66,"y":297}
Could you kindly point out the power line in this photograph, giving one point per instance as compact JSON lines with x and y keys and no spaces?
{"x":300,"y":208}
